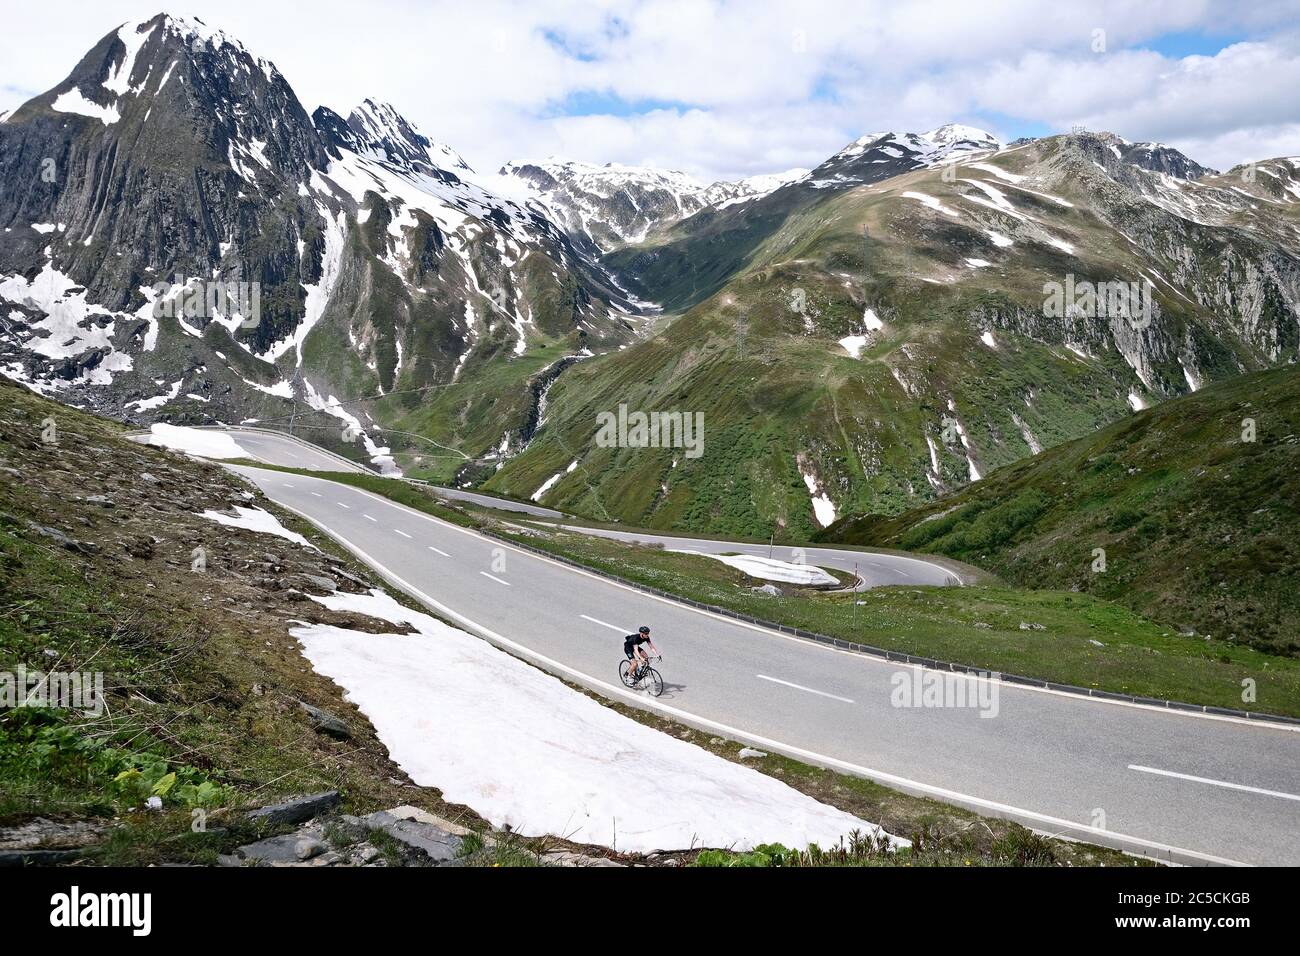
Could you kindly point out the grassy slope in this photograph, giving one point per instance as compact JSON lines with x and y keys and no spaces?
{"x":201,"y":677}
{"x":696,"y":257}
{"x":771,"y":390}
{"x":1199,"y":527}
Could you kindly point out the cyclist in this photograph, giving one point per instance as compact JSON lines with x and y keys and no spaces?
{"x":632,"y":648}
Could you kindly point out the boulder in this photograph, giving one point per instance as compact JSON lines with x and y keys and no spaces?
{"x":296,"y":810}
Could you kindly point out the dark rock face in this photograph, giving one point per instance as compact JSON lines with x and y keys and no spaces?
{"x":173,"y":225}
{"x":1119,"y":157}
{"x":196,"y":175}
{"x":297,"y":810}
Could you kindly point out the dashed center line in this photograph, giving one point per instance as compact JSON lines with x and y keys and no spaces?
{"x":317,"y":494}
{"x":494,"y":578}
{"x":436,"y":551}
{"x":612,"y":627}
{"x":819,"y":693}
{"x":342,"y":505}
{"x":401,"y":532}
{"x":1215,"y":783}
{"x":368,"y":518}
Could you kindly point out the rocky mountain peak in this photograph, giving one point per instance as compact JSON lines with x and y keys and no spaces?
{"x":879,"y":155}
{"x":614,"y":204}
{"x":952,"y":134}
{"x":1107,"y":148}
{"x":380,"y":131}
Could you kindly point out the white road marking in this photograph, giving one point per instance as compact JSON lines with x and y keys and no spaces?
{"x":819,"y":693}
{"x":436,"y":551}
{"x":612,"y":627}
{"x":368,"y":518}
{"x":1215,"y":783}
{"x":342,"y":505}
{"x":494,"y":578}
{"x":401,"y":532}
{"x":317,"y":494}
{"x":287,"y":485}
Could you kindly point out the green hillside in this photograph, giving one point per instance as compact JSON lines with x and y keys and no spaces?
{"x":952,"y":367}
{"x":1197,"y":522}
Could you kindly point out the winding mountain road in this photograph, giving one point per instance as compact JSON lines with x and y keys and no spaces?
{"x":1174,"y":785}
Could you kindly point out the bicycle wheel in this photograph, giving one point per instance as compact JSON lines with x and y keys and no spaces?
{"x":625,"y":673}
{"x":653,"y":682}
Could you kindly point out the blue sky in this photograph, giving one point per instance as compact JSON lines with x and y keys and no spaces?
{"x":724,"y":88}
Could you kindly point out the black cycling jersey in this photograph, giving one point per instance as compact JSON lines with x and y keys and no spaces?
{"x":633,"y":640}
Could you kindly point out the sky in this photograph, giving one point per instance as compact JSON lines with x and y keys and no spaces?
{"x":723,"y":90}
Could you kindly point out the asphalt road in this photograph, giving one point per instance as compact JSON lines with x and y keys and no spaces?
{"x":280,"y":450}
{"x":873,"y":569}
{"x":1175,"y":784}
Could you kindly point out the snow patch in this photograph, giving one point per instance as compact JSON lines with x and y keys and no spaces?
{"x":255,"y":519}
{"x":770,"y":569}
{"x":74,"y":101}
{"x":823,"y":507}
{"x":931,"y":203}
{"x":854,"y":344}
{"x":550,"y":482}
{"x":521,"y":749}
{"x":201,"y":442}
{"x":158,"y":401}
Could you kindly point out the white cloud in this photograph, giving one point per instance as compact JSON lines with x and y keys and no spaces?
{"x":765,"y":84}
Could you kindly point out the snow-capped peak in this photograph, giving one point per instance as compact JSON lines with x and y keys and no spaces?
{"x":616,"y":203}
{"x":385,"y":132}
{"x":606,"y":180}
{"x":876,"y":156}
{"x":200,"y":38}
{"x":951,"y":133}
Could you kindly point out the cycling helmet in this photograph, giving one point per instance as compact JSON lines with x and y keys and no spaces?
{"x":643,"y":629}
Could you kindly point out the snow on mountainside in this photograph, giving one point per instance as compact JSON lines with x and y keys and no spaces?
{"x":614,"y":204}
{"x":864,"y":159}
{"x":169,"y":150}
{"x":172,"y":164}
{"x":919,"y":311}
{"x":750,"y":188}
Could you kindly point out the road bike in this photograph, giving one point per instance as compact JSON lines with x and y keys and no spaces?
{"x":643,"y":677}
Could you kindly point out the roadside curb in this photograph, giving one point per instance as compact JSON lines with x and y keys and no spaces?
{"x":897,"y":656}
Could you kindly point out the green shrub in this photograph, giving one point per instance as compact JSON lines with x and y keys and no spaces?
{"x":37,"y":742}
